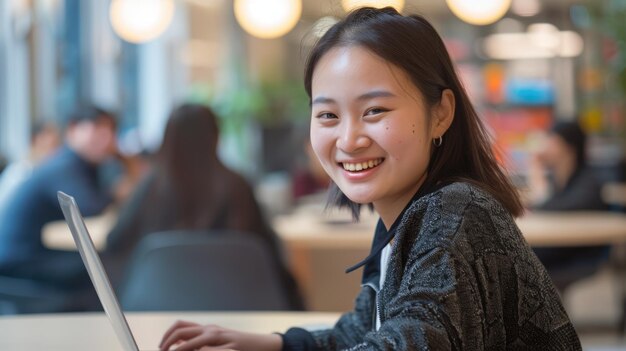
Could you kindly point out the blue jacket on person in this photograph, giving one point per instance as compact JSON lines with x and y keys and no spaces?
{"x":34,"y":204}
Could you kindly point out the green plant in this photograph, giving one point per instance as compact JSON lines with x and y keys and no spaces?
{"x":282,"y":102}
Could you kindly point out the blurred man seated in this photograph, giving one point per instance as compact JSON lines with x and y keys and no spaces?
{"x":44,"y":141}
{"x":74,"y":169}
{"x":560,"y":180}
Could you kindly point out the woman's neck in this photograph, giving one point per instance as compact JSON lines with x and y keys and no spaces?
{"x":391,"y":207}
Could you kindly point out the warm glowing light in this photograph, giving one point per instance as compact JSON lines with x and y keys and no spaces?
{"x":268,"y":19}
{"x":539,"y":42}
{"x":544,"y":35}
{"x":139,"y":21}
{"x":350,"y":5}
{"x":479,"y":12}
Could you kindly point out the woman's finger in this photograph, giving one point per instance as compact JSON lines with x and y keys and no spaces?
{"x":177,"y":325}
{"x":181,"y":334}
{"x":205,"y":339}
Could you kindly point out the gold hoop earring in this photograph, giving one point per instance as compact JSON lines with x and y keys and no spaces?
{"x":438,"y":141}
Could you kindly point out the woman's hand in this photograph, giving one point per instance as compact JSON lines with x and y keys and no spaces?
{"x":191,"y":336}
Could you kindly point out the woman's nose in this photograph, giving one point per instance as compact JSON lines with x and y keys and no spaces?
{"x":352,"y":138}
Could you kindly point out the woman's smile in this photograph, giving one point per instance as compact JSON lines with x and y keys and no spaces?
{"x":358,"y":166}
{"x":360,"y":170}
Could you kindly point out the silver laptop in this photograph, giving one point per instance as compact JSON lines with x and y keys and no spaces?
{"x":96,"y":271}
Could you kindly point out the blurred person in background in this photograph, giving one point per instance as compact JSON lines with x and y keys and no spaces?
{"x":561,"y":180}
{"x":44,"y":140}
{"x":73,"y":169}
{"x":134,"y":161}
{"x":190,"y":188}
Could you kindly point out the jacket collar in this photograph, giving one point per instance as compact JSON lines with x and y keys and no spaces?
{"x":382,"y":237}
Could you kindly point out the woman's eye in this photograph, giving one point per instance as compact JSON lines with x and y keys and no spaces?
{"x":326,"y":115}
{"x":375,"y":111}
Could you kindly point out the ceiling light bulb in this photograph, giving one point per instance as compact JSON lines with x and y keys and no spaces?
{"x":268,"y":19}
{"x":139,"y":21}
{"x":479,"y":12}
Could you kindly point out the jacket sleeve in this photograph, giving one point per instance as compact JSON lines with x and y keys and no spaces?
{"x":349,"y":329}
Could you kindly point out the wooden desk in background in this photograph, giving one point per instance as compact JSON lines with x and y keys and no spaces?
{"x":56,"y":235}
{"x":320,"y":250}
{"x":313,"y":230}
{"x":320,"y":247}
{"x":93,"y":332}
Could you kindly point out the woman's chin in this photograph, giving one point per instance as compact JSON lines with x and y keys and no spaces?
{"x":361,"y":199}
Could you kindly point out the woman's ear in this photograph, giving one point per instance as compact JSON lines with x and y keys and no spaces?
{"x":443,"y":114}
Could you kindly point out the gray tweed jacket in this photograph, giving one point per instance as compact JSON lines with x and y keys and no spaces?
{"x":460,"y":277}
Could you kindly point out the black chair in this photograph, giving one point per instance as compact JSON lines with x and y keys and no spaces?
{"x":193,"y":270}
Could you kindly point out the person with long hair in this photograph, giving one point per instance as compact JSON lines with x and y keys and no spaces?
{"x":449,"y":269}
{"x":189,"y":189}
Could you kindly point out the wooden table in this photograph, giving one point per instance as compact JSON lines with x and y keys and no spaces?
{"x":321,"y":245}
{"x":321,"y":248}
{"x":312,"y":228}
{"x":93,"y":332}
{"x":308,"y":226}
{"x":579,"y":228}
{"x":56,"y":235}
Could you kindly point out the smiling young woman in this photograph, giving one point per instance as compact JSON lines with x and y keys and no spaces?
{"x":449,"y":269}
{"x":373,"y":132}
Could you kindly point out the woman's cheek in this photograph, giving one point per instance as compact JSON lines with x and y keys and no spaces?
{"x":322,"y":147}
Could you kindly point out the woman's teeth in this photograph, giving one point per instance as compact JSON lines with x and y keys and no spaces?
{"x":355,"y":167}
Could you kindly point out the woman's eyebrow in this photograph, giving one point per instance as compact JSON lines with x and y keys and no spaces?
{"x":376,"y":94}
{"x":323,"y":100}
{"x":367,"y":96}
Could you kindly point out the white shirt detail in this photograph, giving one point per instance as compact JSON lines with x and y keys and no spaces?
{"x":384,"y":260}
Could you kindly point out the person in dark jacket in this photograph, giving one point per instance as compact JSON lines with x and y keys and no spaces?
{"x":570,"y":185}
{"x":190,"y":188}
{"x":74,"y":169}
{"x":449,"y":269}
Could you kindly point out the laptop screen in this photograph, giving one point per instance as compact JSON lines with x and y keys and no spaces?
{"x":96,"y":271}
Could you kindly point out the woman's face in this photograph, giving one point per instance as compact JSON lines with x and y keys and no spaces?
{"x":370,"y":127}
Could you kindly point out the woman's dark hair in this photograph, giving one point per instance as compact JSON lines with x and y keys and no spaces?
{"x":412,"y":44}
{"x":188,"y":165}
